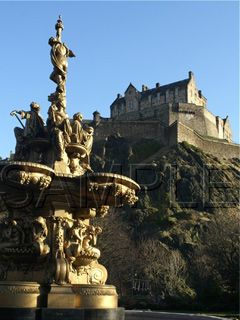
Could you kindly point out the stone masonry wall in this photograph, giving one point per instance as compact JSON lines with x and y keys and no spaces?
{"x":178,"y":132}
{"x":195,"y":117}
{"x":131,"y":129}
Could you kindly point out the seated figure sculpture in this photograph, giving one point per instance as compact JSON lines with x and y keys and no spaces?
{"x":82,"y":134}
{"x":81,"y":146}
{"x":34,"y":128}
{"x":71,"y":141}
{"x":77,"y":128}
{"x":88,"y":139}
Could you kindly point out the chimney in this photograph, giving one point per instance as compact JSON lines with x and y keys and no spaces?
{"x":190,"y":75}
{"x":200,"y":93}
{"x":144,"y":88}
{"x":157,"y":85}
{"x":119,"y":96}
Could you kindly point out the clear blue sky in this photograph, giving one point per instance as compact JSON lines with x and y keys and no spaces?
{"x":117,"y":43}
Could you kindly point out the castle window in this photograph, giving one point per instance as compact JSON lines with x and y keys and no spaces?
{"x":158,"y":97}
{"x":130,"y":105}
{"x":167,"y":95}
{"x":121,"y":108}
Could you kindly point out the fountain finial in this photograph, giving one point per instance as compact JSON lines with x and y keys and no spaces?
{"x":59,"y":28}
{"x":59,"y":58}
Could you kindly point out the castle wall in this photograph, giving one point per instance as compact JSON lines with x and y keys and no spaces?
{"x":194,"y":116}
{"x":180,"y":95}
{"x":160,"y":112}
{"x":227,"y":131}
{"x":190,"y":115}
{"x":216,"y":127}
{"x":178,"y":132}
{"x":134,"y":115}
{"x":210,"y":121}
{"x":130,"y":129}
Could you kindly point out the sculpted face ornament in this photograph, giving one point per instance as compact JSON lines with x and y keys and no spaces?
{"x":50,"y":241}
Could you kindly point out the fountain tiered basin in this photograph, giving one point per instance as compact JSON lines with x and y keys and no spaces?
{"x":41,"y":236}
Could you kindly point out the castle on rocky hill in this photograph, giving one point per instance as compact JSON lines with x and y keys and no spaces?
{"x":169,"y":113}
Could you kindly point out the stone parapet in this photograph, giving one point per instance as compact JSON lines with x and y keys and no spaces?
{"x":178,"y":132}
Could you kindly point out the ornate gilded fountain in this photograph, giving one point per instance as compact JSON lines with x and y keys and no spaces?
{"x":48,"y":253}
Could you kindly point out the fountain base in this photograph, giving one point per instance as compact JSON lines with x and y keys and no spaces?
{"x":32,"y":301}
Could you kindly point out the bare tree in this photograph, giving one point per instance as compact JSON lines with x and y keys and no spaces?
{"x":118,"y":252}
{"x":216,"y":261}
{"x":165,"y":268}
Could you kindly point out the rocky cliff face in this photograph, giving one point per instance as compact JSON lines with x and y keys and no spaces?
{"x":188,"y":199}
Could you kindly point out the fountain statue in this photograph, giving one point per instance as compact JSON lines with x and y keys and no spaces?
{"x":49,"y":265}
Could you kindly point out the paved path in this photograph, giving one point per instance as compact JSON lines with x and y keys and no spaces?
{"x":151,"y":315}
